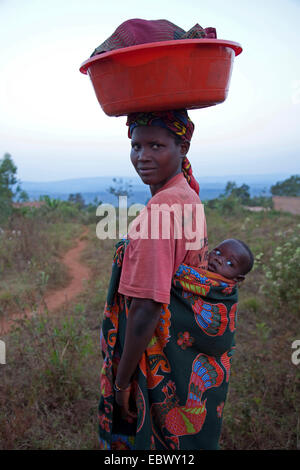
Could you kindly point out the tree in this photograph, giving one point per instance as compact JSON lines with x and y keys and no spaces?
{"x":23,"y":196}
{"x":241,"y":193}
{"x":77,"y":199}
{"x":230,"y":186}
{"x":51,"y":203}
{"x":289,"y":187}
{"x":8,"y":180}
{"x":9,"y":187}
{"x":121,"y":188}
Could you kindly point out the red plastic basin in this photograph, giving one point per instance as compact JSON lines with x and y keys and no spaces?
{"x":189,"y":73}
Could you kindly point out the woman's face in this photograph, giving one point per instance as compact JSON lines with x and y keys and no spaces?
{"x":155,"y":155}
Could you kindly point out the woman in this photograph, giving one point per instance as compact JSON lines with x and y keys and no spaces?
{"x":166,"y":348}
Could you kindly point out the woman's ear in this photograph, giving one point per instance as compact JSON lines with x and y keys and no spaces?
{"x":184,"y":148}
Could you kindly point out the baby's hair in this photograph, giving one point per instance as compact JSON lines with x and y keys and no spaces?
{"x":250,"y":255}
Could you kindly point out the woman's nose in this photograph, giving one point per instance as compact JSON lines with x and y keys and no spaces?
{"x":144,"y":154}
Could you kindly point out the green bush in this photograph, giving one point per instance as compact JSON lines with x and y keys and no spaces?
{"x":262,"y":201}
{"x":282,"y":275}
{"x":252,"y":304}
{"x":230,"y":205}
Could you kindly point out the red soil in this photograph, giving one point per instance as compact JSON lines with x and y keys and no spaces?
{"x":56,"y":299}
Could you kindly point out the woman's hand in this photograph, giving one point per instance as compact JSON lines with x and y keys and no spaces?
{"x":122,"y":399}
{"x":142,"y":320}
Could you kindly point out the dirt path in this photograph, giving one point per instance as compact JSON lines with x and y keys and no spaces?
{"x":55,"y":299}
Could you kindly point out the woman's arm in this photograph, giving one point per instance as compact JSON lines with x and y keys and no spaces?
{"x":142,"y":320}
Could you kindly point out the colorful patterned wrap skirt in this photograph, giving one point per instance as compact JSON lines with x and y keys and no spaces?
{"x":181,"y":382}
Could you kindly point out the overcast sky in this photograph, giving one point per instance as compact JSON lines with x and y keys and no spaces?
{"x":54,"y":128}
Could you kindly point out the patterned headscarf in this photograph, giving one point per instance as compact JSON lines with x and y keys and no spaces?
{"x":176,"y":121}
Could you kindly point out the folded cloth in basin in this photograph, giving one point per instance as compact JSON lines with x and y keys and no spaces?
{"x":137,"y":31}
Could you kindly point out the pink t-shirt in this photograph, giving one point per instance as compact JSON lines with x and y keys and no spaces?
{"x":169,"y":231}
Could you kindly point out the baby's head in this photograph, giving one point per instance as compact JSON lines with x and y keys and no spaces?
{"x":232,"y":259}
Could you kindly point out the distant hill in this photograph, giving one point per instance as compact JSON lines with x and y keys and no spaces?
{"x":97,"y":187}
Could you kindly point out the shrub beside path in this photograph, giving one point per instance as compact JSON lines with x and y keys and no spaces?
{"x":56,"y":299}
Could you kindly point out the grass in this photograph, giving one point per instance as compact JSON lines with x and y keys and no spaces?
{"x":49,"y":388}
{"x":49,"y":385}
{"x":30,"y":261}
{"x":50,"y":404}
{"x":263,"y":407}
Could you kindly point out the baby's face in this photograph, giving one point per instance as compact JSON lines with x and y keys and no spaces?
{"x":228,"y":259}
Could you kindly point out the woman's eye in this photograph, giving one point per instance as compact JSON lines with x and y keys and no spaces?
{"x":218,"y":252}
{"x":155,"y":146}
{"x":229,"y":263}
{"x":135,"y":147}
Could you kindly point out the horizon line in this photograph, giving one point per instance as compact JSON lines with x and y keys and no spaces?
{"x":137,"y":177}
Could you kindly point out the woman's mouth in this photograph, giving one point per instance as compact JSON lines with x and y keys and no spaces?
{"x":145,"y":171}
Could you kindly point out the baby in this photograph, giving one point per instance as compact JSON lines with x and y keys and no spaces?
{"x":232,"y":259}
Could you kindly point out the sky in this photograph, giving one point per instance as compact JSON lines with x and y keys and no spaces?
{"x":54,"y":128}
